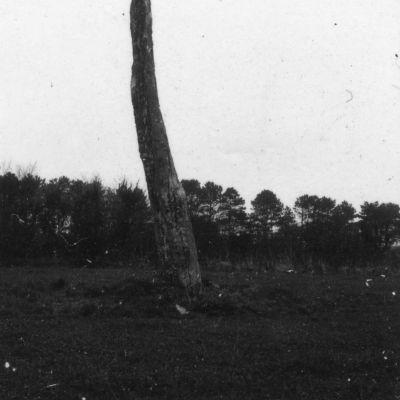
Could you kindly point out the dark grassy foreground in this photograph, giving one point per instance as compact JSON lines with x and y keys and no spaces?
{"x":107,"y":334}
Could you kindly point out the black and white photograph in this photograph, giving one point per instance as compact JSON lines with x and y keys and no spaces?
{"x":199,"y":200}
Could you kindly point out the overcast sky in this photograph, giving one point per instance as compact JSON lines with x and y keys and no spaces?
{"x":292,"y":96}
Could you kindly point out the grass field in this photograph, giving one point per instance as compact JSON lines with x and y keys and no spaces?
{"x":114,"y":334}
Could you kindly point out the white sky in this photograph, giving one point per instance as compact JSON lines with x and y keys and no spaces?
{"x":255,"y":94}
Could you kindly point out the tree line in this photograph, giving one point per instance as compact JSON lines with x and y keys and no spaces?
{"x":81,"y":223}
{"x":72,"y":221}
{"x":317,"y":233}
